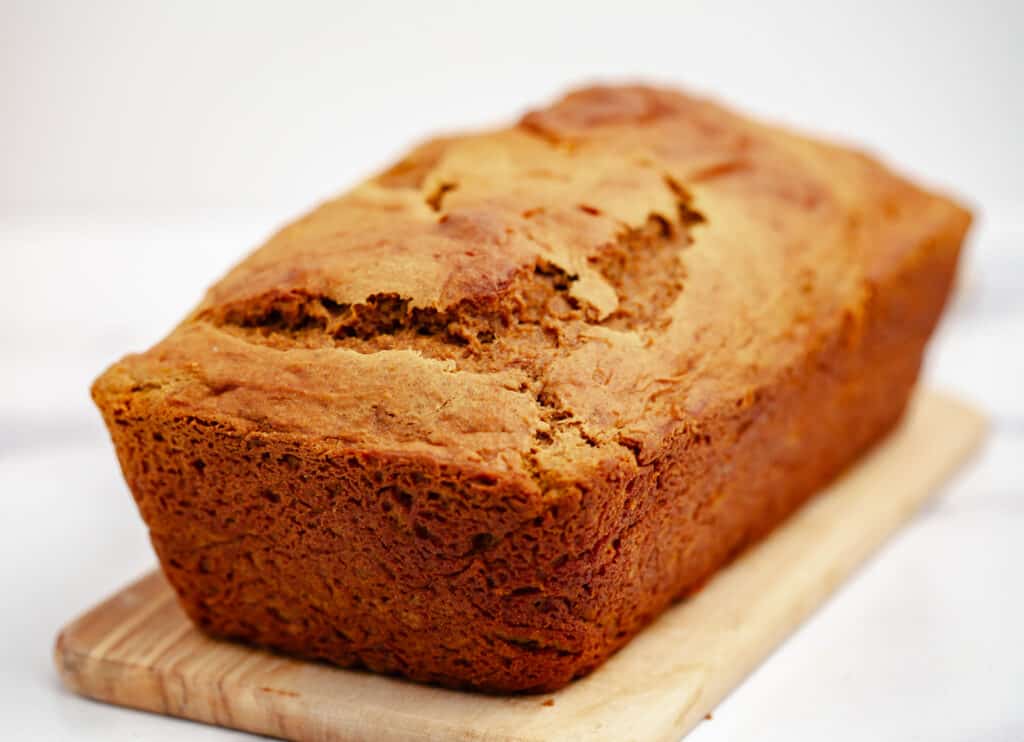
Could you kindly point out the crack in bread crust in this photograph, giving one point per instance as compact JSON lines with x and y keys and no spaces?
{"x":643,"y":264}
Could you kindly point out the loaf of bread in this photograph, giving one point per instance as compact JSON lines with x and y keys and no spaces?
{"x":479,"y":420}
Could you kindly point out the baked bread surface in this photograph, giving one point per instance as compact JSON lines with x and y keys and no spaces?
{"x":480,"y":419}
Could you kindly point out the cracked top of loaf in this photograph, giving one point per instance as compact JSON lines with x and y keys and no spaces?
{"x":546,"y":299}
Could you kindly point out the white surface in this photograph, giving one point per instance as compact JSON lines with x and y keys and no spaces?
{"x":144,"y":149}
{"x":240,"y":103}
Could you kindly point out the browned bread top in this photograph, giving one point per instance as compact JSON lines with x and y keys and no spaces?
{"x":549,"y":300}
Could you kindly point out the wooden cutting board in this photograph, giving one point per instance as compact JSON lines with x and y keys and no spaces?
{"x":138,"y":649}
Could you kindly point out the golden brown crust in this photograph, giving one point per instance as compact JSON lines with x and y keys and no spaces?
{"x":481,"y":418}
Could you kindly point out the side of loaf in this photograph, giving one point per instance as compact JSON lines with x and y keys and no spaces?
{"x":479,"y":420}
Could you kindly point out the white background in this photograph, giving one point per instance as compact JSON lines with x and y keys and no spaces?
{"x":146,"y":146}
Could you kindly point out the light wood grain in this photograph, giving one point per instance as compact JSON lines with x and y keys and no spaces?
{"x":138,"y":649}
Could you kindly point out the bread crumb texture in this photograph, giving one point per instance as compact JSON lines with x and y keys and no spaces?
{"x":481,"y":418}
